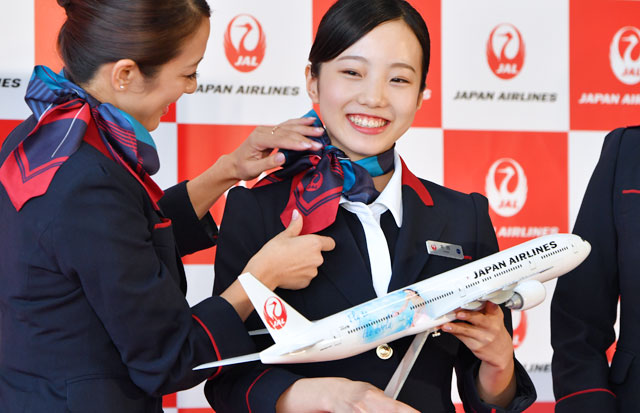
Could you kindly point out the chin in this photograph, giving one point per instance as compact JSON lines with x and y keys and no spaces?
{"x":152,"y":125}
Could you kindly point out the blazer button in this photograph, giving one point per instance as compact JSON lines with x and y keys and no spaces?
{"x":384,"y":351}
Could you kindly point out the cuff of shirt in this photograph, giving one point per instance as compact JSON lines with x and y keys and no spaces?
{"x":524,"y":397}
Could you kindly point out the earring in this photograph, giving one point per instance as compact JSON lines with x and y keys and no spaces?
{"x":121,"y":86}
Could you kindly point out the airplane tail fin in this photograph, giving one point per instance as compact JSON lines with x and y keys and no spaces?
{"x":280,"y":318}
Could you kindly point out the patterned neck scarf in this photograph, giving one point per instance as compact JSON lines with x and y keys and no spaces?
{"x":64,"y":112}
{"x":321,"y":177}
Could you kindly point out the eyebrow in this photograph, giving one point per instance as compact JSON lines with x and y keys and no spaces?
{"x":362,"y":59}
{"x":196,"y":63}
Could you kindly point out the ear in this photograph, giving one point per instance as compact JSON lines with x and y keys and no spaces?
{"x":312,"y":84}
{"x":124,"y":73}
{"x":420,"y":99}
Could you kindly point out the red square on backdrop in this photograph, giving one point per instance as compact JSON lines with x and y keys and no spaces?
{"x":6,"y":126}
{"x":430,"y":113}
{"x":199,"y":147}
{"x":604,"y":64}
{"x":170,"y":115}
{"x":523,"y":174}
{"x":170,"y":400}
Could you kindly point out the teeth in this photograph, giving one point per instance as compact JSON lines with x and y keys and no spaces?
{"x":367,"y":122}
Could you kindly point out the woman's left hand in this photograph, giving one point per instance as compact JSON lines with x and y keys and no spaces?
{"x":486,"y":336}
{"x":255,"y":156}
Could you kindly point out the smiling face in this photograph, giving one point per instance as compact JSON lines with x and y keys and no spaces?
{"x":369,"y":94}
{"x":149,"y":99}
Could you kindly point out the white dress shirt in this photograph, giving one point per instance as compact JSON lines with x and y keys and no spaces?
{"x":369,"y":215}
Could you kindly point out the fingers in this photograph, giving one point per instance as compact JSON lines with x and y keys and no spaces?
{"x":272,"y":161}
{"x":291,"y":134}
{"x":477,"y":322}
{"x":326,"y":243}
{"x":295,"y":226}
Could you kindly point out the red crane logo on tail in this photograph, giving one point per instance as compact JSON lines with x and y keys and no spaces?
{"x":275,"y":313}
{"x":244,"y":43}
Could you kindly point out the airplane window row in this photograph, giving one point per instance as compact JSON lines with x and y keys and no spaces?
{"x":508,"y":270}
{"x":369,"y":324}
{"x":555,"y":252}
{"x":440,"y":297}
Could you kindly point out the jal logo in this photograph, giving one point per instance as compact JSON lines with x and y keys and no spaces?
{"x":275,"y":313}
{"x":506,"y":187}
{"x":244,"y":43}
{"x":315,"y":183}
{"x":624,"y":55}
{"x":505,"y":51}
{"x":519,"y":332}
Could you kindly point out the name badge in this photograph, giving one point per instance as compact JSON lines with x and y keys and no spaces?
{"x":445,"y":250}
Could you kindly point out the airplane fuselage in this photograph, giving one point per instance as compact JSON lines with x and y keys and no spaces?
{"x":432,"y":302}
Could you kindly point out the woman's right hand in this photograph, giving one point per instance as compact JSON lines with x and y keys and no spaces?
{"x":255,"y":155}
{"x":290,"y":260}
{"x":338,"y":395}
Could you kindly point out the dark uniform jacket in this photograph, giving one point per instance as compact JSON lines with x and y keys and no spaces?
{"x":584,"y":306}
{"x":252,"y":217}
{"x":92,"y":310}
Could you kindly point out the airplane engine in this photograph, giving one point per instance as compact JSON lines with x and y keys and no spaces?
{"x":527,"y":294}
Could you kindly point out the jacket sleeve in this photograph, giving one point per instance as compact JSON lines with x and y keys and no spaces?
{"x":583,"y":309}
{"x":251,"y":387}
{"x":102,"y":241}
{"x":192,"y":234}
{"x":468,"y":364}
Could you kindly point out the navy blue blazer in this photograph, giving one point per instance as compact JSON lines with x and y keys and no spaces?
{"x":584,"y":305}
{"x":92,"y":310}
{"x":251,"y":218}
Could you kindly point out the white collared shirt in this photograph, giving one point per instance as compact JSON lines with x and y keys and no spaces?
{"x":369,"y":215}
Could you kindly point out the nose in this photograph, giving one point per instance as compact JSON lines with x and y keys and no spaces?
{"x":373,"y":93}
{"x":191,"y":86}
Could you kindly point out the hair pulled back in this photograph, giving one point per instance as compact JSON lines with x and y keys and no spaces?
{"x":347,"y":21}
{"x":149,"y":32}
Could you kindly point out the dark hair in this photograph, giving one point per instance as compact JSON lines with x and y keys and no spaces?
{"x":149,"y":32}
{"x":349,"y":20}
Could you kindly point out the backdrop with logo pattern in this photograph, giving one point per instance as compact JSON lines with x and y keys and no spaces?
{"x":519,"y":98}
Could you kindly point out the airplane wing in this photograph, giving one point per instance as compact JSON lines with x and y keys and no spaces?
{"x":233,"y":360}
{"x":473,"y":301}
{"x":286,"y":348}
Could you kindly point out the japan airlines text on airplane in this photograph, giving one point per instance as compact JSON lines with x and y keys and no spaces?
{"x":512,"y":277}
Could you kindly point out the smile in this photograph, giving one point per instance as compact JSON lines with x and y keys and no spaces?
{"x":367,"y":121}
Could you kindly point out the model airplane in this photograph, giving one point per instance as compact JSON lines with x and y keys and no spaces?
{"x":512,"y":277}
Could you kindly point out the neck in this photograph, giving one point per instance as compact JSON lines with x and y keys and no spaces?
{"x":380,"y":182}
{"x":99,"y":86}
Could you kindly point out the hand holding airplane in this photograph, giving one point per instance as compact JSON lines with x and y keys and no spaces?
{"x":512,"y":277}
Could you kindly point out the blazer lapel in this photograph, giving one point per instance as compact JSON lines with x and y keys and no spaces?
{"x":421,"y":221}
{"x":344,"y":266}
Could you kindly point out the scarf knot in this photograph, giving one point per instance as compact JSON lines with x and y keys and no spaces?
{"x":320,"y":178}
{"x":64,"y":112}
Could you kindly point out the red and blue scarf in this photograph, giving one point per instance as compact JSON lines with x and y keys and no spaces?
{"x":321,"y":177}
{"x":66,"y":116}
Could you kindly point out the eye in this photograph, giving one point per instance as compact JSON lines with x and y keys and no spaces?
{"x":193,"y":76}
{"x":350,"y":72}
{"x":399,"y":80}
